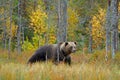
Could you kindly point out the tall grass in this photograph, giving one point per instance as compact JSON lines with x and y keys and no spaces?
{"x":48,"y":71}
{"x":81,"y":69}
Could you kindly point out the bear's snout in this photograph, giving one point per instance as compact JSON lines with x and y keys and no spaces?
{"x":74,"y":50}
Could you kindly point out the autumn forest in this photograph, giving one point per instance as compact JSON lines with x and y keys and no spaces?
{"x":26,"y":25}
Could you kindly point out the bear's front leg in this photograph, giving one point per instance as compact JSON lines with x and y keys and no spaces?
{"x":68,"y":60}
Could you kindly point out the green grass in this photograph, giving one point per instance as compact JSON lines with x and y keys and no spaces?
{"x":84,"y":67}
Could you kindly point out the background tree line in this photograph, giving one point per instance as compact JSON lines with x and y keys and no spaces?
{"x":28,"y":24}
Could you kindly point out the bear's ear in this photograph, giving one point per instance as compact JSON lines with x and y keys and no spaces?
{"x":66,"y":43}
{"x":75,"y":43}
{"x":60,"y":43}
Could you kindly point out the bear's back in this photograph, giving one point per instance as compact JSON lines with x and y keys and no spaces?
{"x":48,"y":51}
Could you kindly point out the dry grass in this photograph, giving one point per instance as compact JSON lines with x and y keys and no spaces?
{"x":48,"y":71}
{"x":81,"y":69}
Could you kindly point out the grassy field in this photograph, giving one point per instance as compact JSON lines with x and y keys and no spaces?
{"x":84,"y":67}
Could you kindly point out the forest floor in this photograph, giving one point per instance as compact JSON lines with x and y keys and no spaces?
{"x":84,"y":67}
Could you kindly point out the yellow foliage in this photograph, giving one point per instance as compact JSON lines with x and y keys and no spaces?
{"x":42,"y":34}
{"x":13,"y":29}
{"x":6,"y":23}
{"x":8,"y":30}
{"x":72,"y":22}
{"x":72,"y":16}
{"x":52,"y":35}
{"x":37,"y":19}
{"x":1,"y":11}
{"x":43,"y":39}
{"x":28,"y":46}
{"x":98,"y":31}
{"x":36,"y":39}
{"x":119,"y":7}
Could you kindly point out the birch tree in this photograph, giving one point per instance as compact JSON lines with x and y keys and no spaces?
{"x":47,"y":7}
{"x":10,"y":34}
{"x":90,"y":27}
{"x":62,"y":20}
{"x":19,"y":27}
{"x":108,"y":33}
{"x":114,"y":26}
{"x":4,"y":28}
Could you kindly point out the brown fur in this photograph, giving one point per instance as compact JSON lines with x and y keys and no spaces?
{"x":54,"y":52}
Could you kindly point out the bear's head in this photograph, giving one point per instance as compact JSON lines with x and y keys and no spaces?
{"x":68,"y":47}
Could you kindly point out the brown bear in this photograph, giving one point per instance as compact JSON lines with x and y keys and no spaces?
{"x":54,"y":52}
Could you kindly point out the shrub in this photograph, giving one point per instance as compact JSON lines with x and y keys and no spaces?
{"x":117,"y":58}
{"x":99,"y":56}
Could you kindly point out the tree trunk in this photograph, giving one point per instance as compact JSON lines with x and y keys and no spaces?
{"x":24,"y":16}
{"x":47,"y":7}
{"x":90,"y":38}
{"x":22,"y":32}
{"x":62,"y":21}
{"x":35,"y":4}
{"x":108,"y":28}
{"x":19,"y":27}
{"x":90,"y":26}
{"x":4,"y":30}
{"x":10,"y":36}
{"x":114,"y":26}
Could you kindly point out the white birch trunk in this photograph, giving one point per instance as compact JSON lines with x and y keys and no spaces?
{"x":19,"y":28}
{"x":62,"y":21}
{"x":114,"y":26}
{"x":108,"y":28}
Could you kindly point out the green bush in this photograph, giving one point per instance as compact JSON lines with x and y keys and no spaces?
{"x":27,"y":46}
